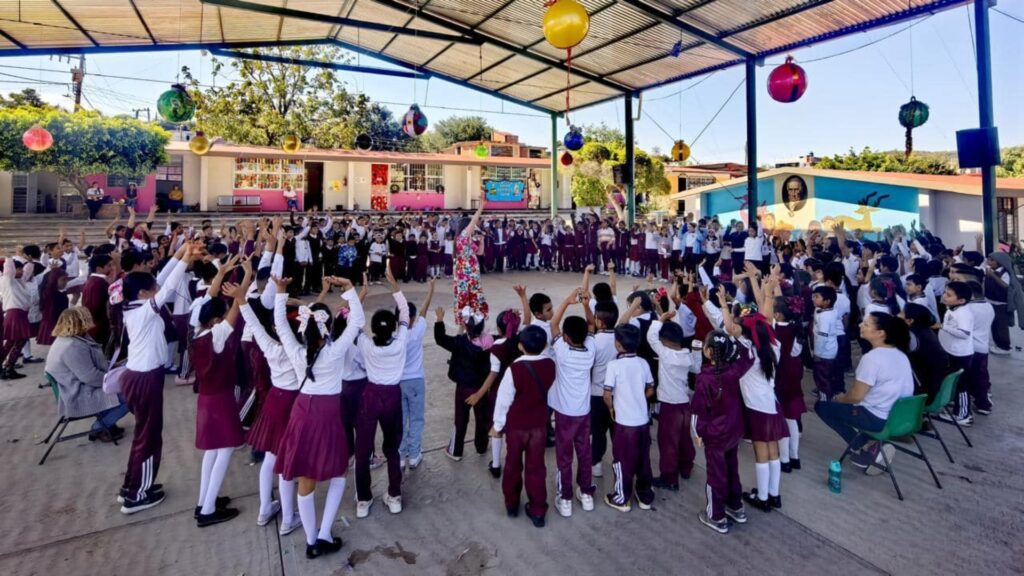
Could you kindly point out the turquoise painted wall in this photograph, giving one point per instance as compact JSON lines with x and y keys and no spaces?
{"x":902,"y":198}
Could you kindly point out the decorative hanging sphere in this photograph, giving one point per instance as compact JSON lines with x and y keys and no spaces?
{"x":291,"y":144}
{"x":566,"y":23}
{"x":37,"y":139}
{"x":788,"y":82}
{"x":913,"y":114}
{"x":680,"y":151}
{"x":364,"y":142}
{"x":481,"y":151}
{"x":175,"y":105}
{"x":414,"y":122}
{"x":573,"y":139}
{"x":199,"y":143}
{"x":566,"y":159}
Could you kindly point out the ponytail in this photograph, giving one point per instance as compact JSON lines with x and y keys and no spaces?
{"x":382,"y":326}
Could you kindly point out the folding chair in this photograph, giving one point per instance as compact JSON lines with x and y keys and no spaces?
{"x":940,"y":405}
{"x":62,"y":423}
{"x":904,"y":421}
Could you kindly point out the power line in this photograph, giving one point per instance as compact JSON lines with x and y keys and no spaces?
{"x":1008,"y":15}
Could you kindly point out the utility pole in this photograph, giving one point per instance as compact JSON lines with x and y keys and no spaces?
{"x":77,"y":77}
{"x":146,"y":110}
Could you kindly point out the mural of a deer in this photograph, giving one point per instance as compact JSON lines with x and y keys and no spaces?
{"x":865,"y":207}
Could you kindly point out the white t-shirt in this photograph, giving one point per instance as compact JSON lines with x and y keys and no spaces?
{"x":758,"y":391}
{"x":414,"y":350}
{"x":957,"y":333}
{"x":887,"y":371}
{"x":673,"y":368}
{"x":546,"y":326}
{"x":752,"y":247}
{"x":605,"y":352}
{"x":827,"y":328}
{"x":983,"y":314}
{"x":571,"y":393}
{"x":628,"y":378}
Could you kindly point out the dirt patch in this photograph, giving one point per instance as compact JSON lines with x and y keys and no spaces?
{"x":395,"y":552}
{"x":472,"y":561}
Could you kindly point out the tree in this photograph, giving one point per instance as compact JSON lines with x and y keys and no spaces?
{"x":603,"y":133}
{"x":1013,"y":163}
{"x":27,"y":97}
{"x":456,"y":129}
{"x":84,"y":143}
{"x":270,"y":100}
{"x":592,"y":172}
{"x":874,"y":161}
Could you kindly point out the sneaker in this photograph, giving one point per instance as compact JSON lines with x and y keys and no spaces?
{"x":795,"y":463}
{"x":597,"y":470}
{"x":220,"y":503}
{"x":322,"y":547}
{"x":983,"y":411}
{"x":643,"y":505}
{"x":377,"y":462}
{"x":151,"y":499}
{"x":512,"y":511}
{"x":123,"y":494}
{"x":264,"y":519}
{"x":586,"y":500}
{"x":663,"y":484}
{"x":890,"y":452}
{"x":738,"y":515}
{"x":105,"y":436}
{"x":865,"y":456}
{"x":753,"y":500}
{"x":171,"y":369}
{"x":993,"y":349}
{"x":963,"y":422}
{"x":219,"y":515}
{"x":394,"y":503}
{"x":451,"y":456}
{"x":538,"y":521}
{"x":495,"y":472}
{"x":564,"y":507}
{"x":721,"y":526}
{"x":415,"y":461}
{"x":610,"y":500}
{"x":363,"y":508}
{"x":287,"y":528}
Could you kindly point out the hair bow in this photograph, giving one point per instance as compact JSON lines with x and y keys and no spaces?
{"x":750,"y":323}
{"x":468,"y":313}
{"x":319,"y":316}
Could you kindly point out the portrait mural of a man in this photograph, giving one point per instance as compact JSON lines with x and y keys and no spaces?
{"x":794,"y":193}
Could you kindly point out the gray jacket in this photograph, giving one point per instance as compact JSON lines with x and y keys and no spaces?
{"x":78,"y":366}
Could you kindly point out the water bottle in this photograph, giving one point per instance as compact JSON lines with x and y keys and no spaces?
{"x":835,"y":477}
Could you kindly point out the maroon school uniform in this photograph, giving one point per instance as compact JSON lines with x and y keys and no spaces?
{"x":94,"y":297}
{"x":791,"y":371}
{"x":525,"y":435}
{"x":51,"y":303}
{"x":397,"y":260}
{"x":217,"y":424}
{"x":272,"y":420}
{"x":434,"y":249}
{"x":422,"y":262}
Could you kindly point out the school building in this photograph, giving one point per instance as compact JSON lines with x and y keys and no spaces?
{"x":801,"y":198}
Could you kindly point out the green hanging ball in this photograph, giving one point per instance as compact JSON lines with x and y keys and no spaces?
{"x":913,"y":114}
{"x":481,"y":151}
{"x":175,"y":105}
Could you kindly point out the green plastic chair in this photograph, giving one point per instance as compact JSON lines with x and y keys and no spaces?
{"x":904,"y":421}
{"x":939,"y":406}
{"x":62,"y":422}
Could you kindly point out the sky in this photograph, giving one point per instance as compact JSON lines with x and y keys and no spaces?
{"x":856,"y":85}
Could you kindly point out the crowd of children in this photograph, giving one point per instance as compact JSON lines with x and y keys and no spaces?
{"x":715,"y":355}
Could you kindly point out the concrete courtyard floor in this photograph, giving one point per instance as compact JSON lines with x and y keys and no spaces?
{"x":61,"y":518}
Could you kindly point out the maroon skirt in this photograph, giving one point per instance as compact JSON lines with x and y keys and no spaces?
{"x":314,"y":444}
{"x":16,"y":326}
{"x":217,"y":423}
{"x":272,"y":420}
{"x":788,"y":390}
{"x":763,"y":427}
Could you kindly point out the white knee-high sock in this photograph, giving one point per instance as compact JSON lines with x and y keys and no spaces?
{"x":26,"y":350}
{"x":220,"y":469}
{"x":784,"y":450}
{"x":495,"y":452}
{"x":794,"y":438}
{"x":266,"y":483}
{"x":331,"y":506}
{"x":774,"y":477}
{"x":209,"y":457}
{"x":307,"y":512}
{"x":287,"y":495}
{"x":762,"y":480}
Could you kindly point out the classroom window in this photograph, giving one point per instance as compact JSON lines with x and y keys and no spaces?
{"x":504,"y":173}
{"x":416,"y":176}
{"x":171,"y":171}
{"x":120,"y":181}
{"x":269,"y":174}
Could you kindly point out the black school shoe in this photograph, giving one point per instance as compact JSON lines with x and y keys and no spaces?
{"x":538,"y":521}
{"x":755,"y":502}
{"x":219,"y":515}
{"x":10,"y":374}
{"x":322,"y":547}
{"x":659,"y":482}
{"x":220,"y":503}
{"x":795,"y":463}
{"x":786,"y":467}
{"x":512,"y":511}
{"x":775,"y":501}
{"x":495,"y":472}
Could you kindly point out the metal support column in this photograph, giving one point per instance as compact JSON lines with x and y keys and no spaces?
{"x":751,"y":86}
{"x":630,"y":167}
{"x":986,"y":120}
{"x":554,"y":166}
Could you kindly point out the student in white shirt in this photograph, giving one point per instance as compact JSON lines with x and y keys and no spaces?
{"x":828,"y":325}
{"x":957,"y":338}
{"x":605,"y":316}
{"x":675,"y":446}
{"x":627,"y":386}
{"x":413,"y":384}
{"x":753,"y":246}
{"x":574,"y":353}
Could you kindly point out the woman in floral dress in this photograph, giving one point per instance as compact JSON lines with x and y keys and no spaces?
{"x":468,"y":292}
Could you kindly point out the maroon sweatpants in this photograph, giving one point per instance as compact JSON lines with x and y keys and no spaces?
{"x":723,"y":487}
{"x":381,"y":404}
{"x":674,"y":443}
{"x":600,"y":428}
{"x":144,"y":394}
{"x":824,"y":382}
{"x":631,"y":446}
{"x":572,"y":435}
{"x":10,"y":351}
{"x":351,"y":400}
{"x":528,"y":444}
{"x":482,"y":413}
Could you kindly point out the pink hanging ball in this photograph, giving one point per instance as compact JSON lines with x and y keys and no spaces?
{"x":37,"y":139}
{"x":788,"y":82}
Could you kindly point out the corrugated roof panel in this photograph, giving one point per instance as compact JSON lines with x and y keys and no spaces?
{"x":638,"y":48}
{"x":53,"y":28}
{"x":368,"y":39}
{"x":537,"y":86}
{"x":660,"y":70}
{"x":109,"y":22}
{"x":413,"y":49}
{"x":579,"y":96}
{"x":513,"y":69}
{"x":723,"y":15}
{"x":465,"y":60}
{"x":458,"y":10}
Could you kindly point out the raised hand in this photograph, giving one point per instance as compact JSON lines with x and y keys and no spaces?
{"x":281,"y":283}
{"x":440,"y":313}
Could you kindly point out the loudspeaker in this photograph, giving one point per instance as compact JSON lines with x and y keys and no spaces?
{"x":620,"y":174}
{"x":978,"y":147}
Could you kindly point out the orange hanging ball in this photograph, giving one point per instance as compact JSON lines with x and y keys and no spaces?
{"x":566,"y":23}
{"x":37,"y":139}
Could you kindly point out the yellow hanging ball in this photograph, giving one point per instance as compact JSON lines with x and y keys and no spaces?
{"x":199,"y":143}
{"x":566,"y":24}
{"x":680,"y":151}
{"x":291,"y":144}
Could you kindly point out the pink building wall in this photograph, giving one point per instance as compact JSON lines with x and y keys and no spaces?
{"x":147,"y":190}
{"x":271,"y":200}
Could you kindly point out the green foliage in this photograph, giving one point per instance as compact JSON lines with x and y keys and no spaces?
{"x":269,"y":100}
{"x":874,"y":161}
{"x":1013,"y":163}
{"x":455,"y":129}
{"x":27,"y":97}
{"x":83,"y":143}
{"x":603,"y":133}
{"x":592,"y":170}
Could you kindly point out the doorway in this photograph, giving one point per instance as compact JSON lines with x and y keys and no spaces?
{"x":314,"y":196}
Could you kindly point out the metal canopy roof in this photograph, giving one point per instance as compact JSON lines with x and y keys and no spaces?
{"x":496,"y":46}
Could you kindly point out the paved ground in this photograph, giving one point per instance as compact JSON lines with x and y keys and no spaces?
{"x":61,"y":518}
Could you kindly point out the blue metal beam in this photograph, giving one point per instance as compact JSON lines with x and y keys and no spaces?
{"x":751,"y":86}
{"x":316,"y":64}
{"x":12,"y":40}
{"x":523,"y":79}
{"x":406,"y":25}
{"x":141,"y":48}
{"x":560,"y":90}
{"x":986,"y":119}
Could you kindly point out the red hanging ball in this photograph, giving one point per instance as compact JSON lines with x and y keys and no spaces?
{"x":566,"y":159}
{"x":37,"y":139}
{"x":788,"y":82}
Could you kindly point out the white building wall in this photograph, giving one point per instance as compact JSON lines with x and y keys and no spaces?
{"x":6,"y":193}
{"x":957,"y":218}
{"x":455,"y":180}
{"x":362,"y":185}
{"x":191,"y":187}
{"x":335,"y":172}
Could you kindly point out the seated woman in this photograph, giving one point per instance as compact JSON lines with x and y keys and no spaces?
{"x":77,"y":363}
{"x":883,"y":377}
